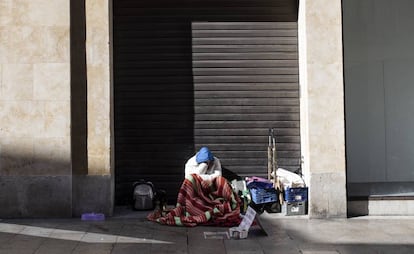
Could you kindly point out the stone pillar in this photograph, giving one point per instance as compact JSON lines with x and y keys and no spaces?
{"x":99,"y":89}
{"x":35,"y":157}
{"x":94,"y":189}
{"x":322,"y":106}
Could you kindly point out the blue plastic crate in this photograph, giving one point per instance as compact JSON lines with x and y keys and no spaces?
{"x":261,"y":196}
{"x":258,"y":182}
{"x":296,"y":194}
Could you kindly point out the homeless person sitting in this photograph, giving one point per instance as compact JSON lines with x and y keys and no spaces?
{"x":204,"y":198}
{"x":204,"y":164}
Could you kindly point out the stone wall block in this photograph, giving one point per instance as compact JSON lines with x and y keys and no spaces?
{"x":324,"y":94}
{"x":97,"y":46}
{"x":35,"y":118}
{"x":97,"y":11}
{"x":324,"y":32}
{"x":98,"y":155}
{"x":6,"y":17}
{"x":4,"y":44}
{"x":52,"y":156}
{"x":92,"y":193}
{"x":51,"y":118}
{"x":98,"y":119}
{"x":325,"y":156}
{"x":98,"y":145}
{"x":98,"y":164}
{"x":17,"y":82}
{"x":98,"y":91}
{"x":16,"y":118}
{"x":329,"y":9}
{"x":56,"y":44}
{"x":325,"y":50}
{"x":39,"y":156}
{"x":1,"y":81}
{"x":41,"y":12}
{"x":51,"y":81}
{"x":326,"y":195}
{"x":16,"y":156}
{"x":35,"y":196}
{"x":330,"y":84}
{"x":28,"y":44}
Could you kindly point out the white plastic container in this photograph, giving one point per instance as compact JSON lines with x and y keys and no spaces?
{"x":238,"y":233}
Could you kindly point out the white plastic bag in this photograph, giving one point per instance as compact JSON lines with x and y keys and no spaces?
{"x":289,"y":179}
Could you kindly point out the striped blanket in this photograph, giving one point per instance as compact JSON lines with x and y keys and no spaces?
{"x":203,"y":202}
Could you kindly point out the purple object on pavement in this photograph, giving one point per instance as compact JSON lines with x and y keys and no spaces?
{"x":93,"y":216}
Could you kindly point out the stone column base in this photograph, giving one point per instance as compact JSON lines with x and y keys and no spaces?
{"x":327,"y":195}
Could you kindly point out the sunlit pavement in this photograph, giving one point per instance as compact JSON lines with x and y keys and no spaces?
{"x":278,"y":234}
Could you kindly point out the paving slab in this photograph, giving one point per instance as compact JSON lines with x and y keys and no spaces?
{"x":23,"y":243}
{"x":276,"y":246}
{"x":243,"y":246}
{"x":131,"y":248}
{"x":356,"y":249}
{"x":197,"y":244}
{"x":5,"y":237}
{"x":94,"y":248}
{"x":56,"y":246}
{"x":169,"y":241}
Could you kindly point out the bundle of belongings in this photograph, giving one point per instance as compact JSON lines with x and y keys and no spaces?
{"x":289,"y":179}
{"x":202,"y":202}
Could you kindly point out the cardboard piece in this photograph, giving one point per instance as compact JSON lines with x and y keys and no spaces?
{"x":242,"y":230}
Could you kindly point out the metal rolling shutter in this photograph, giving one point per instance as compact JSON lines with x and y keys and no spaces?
{"x":163,"y":81}
{"x":153,"y":105}
{"x":245,"y":82}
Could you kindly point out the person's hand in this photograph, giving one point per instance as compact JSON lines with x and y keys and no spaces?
{"x":209,"y":164}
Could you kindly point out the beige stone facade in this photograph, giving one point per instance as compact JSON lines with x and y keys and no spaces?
{"x":35,"y":96}
{"x":34,"y":87}
{"x":35,"y":108}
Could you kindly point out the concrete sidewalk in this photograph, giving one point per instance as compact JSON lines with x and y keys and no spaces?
{"x":281,"y":234}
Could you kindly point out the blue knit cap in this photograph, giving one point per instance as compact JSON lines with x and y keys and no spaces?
{"x":204,"y":155}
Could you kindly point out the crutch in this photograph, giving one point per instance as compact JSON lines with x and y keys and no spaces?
{"x":272,"y":164}
{"x":269,"y":156}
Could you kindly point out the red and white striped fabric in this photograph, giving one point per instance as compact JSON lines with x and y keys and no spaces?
{"x":203,"y":202}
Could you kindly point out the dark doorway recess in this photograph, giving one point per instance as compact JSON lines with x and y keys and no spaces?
{"x":194,"y":73}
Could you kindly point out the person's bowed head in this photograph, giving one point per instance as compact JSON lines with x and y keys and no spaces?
{"x":203,"y":163}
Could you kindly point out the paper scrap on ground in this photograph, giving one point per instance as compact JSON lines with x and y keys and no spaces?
{"x":247,"y":219}
{"x":216,"y":235}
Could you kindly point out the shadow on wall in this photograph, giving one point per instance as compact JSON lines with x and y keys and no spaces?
{"x":78,"y":87}
{"x":36,"y":179}
{"x":35,"y":185}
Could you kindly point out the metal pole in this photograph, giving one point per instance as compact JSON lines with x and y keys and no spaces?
{"x":269,"y":156}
